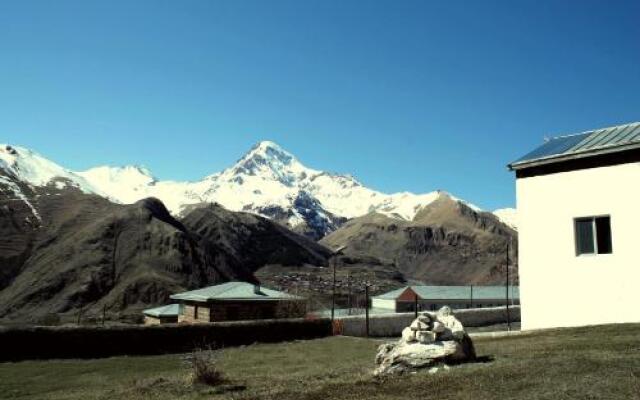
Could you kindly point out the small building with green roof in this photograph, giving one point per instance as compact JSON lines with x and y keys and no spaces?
{"x":433,"y":297}
{"x":161,"y":315}
{"x":233,"y":301}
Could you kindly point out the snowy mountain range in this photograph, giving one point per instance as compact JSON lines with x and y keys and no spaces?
{"x":267,"y":180}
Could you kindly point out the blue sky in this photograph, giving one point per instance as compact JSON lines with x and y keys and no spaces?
{"x":404,"y":95}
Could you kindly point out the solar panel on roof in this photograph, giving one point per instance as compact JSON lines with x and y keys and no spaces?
{"x":554,"y":146}
{"x":585,"y":142}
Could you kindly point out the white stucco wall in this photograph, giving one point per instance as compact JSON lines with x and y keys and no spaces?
{"x":558,"y":288}
{"x":383,"y":303}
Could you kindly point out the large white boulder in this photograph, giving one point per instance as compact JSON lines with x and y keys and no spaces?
{"x":429,"y":340}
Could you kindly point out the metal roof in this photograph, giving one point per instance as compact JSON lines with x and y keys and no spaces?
{"x":170,"y":310}
{"x":599,"y":141}
{"x":455,"y":292}
{"x":234,"y":291}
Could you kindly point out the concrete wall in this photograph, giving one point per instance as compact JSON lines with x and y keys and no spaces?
{"x":387,"y":304}
{"x":390,"y":325}
{"x":559,"y":288}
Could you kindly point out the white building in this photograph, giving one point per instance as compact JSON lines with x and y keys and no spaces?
{"x":578,"y":204}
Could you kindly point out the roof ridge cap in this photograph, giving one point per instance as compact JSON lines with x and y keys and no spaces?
{"x":231,"y":286}
{"x":594,"y":130}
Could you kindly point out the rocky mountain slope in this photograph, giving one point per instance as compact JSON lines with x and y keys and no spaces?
{"x":253,"y":241}
{"x":267,"y":181}
{"x":446,"y":242}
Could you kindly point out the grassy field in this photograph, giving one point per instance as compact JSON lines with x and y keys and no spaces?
{"x":585,"y":363}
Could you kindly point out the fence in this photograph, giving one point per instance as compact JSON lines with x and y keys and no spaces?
{"x":387,"y":325}
{"x":90,"y":342}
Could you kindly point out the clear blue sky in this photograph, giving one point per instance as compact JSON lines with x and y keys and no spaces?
{"x":404,"y":95}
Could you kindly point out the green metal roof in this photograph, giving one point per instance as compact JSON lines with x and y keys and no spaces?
{"x":234,"y":291}
{"x":455,"y":292}
{"x":170,"y":310}
{"x":585,"y":144}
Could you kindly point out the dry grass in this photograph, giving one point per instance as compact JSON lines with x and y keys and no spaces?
{"x":585,"y":363}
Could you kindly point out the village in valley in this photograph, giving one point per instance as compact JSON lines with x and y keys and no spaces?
{"x":485,"y":250}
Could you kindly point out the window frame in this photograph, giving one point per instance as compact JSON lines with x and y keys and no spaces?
{"x":594,"y":229}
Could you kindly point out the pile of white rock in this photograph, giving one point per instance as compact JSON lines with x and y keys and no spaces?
{"x":432,"y":339}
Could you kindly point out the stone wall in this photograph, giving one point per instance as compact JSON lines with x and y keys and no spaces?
{"x":390,"y":325}
{"x":239,"y":311}
{"x":242,"y":310}
{"x":149,"y":320}
{"x":189,"y":314}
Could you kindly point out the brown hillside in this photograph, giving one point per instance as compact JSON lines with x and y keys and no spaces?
{"x":446,"y":243}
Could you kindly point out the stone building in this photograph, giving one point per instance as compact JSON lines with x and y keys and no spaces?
{"x":577,"y":205}
{"x":234,"y":301}
{"x":431,"y":298}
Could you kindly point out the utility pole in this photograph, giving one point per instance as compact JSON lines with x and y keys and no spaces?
{"x":333,"y":292}
{"x":415,"y":305}
{"x":366,"y":308}
{"x":471,"y":296}
{"x":349,"y":298}
{"x":507,"y":292}
{"x":334,"y":257}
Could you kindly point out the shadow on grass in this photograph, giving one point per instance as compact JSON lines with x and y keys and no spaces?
{"x":223,"y":389}
{"x":179,"y":387}
{"x":483,"y":360}
{"x":478,"y":360}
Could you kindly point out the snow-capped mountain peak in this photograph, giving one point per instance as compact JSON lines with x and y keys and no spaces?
{"x":271,"y":151}
{"x":33,"y":169}
{"x":268,"y":161}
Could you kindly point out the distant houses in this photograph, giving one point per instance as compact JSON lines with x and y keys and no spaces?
{"x":433,"y":297}
{"x":235,"y":301}
{"x":578,"y":205}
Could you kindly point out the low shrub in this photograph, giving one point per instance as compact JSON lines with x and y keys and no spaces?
{"x":204,"y":367}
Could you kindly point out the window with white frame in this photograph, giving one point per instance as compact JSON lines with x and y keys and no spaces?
{"x":593,"y":235}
